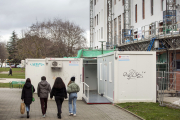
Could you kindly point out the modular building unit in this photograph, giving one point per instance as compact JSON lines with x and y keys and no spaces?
{"x":35,"y":69}
{"x":55,"y":67}
{"x":127,"y":76}
{"x":65,"y":68}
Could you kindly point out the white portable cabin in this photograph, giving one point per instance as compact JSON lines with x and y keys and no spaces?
{"x":127,"y":76}
{"x":65,"y":68}
{"x":55,"y":67}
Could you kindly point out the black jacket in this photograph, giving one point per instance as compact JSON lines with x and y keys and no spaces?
{"x":27,"y":93}
{"x":58,"y":92}
{"x":10,"y":71}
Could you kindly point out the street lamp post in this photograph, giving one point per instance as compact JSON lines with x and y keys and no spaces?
{"x":102,"y":45}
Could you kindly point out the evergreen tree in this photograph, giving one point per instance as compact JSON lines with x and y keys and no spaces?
{"x":12,"y":48}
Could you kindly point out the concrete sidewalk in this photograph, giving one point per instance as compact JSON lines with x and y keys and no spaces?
{"x":10,"y":109}
{"x":7,"y":80}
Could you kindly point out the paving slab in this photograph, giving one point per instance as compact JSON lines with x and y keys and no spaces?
{"x":7,"y":80}
{"x":10,"y":109}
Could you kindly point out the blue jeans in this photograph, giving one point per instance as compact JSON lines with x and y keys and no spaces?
{"x":72,"y":97}
{"x":27,"y":108}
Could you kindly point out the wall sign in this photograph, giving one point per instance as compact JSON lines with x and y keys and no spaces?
{"x":73,"y":63}
{"x":37,"y":64}
{"x":123,"y":58}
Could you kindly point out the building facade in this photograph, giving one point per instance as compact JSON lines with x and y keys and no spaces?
{"x":111,"y":19}
{"x":140,"y":25}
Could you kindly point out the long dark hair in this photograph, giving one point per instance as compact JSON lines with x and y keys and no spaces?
{"x":59,"y":83}
{"x":28,"y":80}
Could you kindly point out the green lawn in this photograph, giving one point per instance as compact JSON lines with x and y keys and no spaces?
{"x":152,"y":111}
{"x":16,"y":72}
{"x":13,"y":69}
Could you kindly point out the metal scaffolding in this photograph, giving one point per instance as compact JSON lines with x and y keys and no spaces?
{"x":91,"y":23}
{"x":127,"y":14}
{"x":109,"y":24}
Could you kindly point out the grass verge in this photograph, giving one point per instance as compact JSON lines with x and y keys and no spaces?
{"x":16,"y":72}
{"x":152,"y":111}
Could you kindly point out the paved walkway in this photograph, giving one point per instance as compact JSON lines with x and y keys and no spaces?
{"x":10,"y":109}
{"x":7,"y":80}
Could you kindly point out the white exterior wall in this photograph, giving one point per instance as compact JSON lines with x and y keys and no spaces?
{"x":157,"y":13}
{"x":134,"y":78}
{"x":35,"y":69}
{"x":99,"y":10}
{"x":70,"y":67}
{"x":118,"y":10}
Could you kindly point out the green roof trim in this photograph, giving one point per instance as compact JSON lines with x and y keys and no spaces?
{"x":95,"y":53}
{"x":85,"y":53}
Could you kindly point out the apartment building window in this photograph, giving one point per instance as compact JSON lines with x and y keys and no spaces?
{"x":162,"y":3}
{"x":119,"y":29}
{"x":161,"y":29}
{"x":94,"y":2}
{"x":101,"y":32}
{"x":97,"y":35}
{"x":97,"y":19}
{"x":135,"y":34}
{"x":143,"y":9}
{"x":178,"y":65}
{"x":123,"y":21}
{"x":122,"y":2}
{"x":136,"y":13}
{"x":115,"y":28}
{"x":114,"y":2}
{"x":152,"y":6}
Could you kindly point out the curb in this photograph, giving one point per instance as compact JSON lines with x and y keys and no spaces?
{"x":129,"y":112}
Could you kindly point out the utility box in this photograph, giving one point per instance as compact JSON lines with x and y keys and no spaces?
{"x":127,"y":76}
{"x":65,"y":68}
{"x":35,"y":69}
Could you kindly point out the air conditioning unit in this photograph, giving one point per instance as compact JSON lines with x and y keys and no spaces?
{"x":56,"y":64}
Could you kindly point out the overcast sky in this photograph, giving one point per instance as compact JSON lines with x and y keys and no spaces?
{"x":16,"y":15}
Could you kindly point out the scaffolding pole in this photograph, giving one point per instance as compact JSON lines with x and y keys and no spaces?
{"x":91,"y":23}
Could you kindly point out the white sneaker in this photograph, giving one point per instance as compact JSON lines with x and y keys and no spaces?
{"x":70,"y":114}
{"x":44,"y":116}
{"x":74,"y":115}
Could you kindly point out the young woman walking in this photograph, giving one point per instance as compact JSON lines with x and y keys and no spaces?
{"x":72,"y":89}
{"x":26,"y":95}
{"x":59,"y":91}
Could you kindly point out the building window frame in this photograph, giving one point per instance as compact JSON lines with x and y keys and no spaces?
{"x":97,"y":19}
{"x":178,"y":65}
{"x":143,"y":9}
{"x":136,"y":13}
{"x":152,"y":7}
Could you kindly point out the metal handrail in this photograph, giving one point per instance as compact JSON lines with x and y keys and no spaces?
{"x":84,"y":92}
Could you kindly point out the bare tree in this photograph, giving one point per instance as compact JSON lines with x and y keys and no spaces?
{"x":55,"y":38}
{"x":3,"y":52}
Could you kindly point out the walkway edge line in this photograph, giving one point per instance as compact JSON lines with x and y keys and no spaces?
{"x":129,"y":112}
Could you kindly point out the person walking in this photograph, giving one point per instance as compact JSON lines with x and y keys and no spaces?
{"x":72,"y":89}
{"x":59,"y":91}
{"x":10,"y":71}
{"x":43,"y":90}
{"x":26,"y":96}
